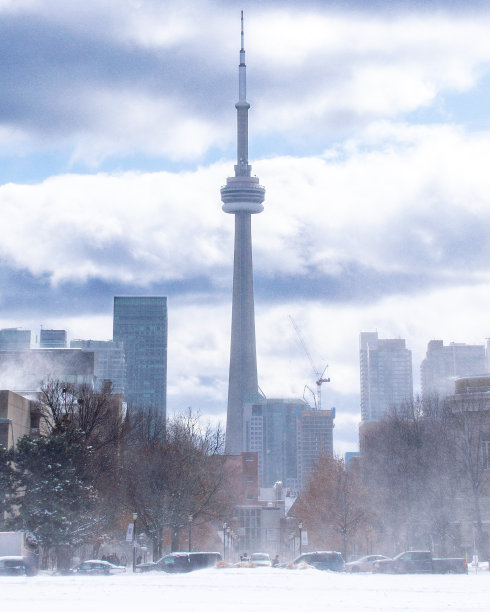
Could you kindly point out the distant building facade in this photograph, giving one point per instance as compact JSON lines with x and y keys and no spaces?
{"x":243,"y":477}
{"x":110,"y":362}
{"x":53,"y":338}
{"x":258,"y":520}
{"x":443,"y":364}
{"x":27,"y":370}
{"x":386,"y":375}
{"x":315,"y":440}
{"x":140,"y":323}
{"x":288,"y":438}
{"x":15,"y":339}
{"x":19,"y":417}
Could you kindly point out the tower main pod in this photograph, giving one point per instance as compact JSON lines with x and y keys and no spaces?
{"x":242,"y":196}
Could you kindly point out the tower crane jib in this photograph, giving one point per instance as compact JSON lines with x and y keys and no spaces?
{"x":319,"y":378}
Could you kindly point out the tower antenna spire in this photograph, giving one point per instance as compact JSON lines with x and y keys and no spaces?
{"x":243,"y":46}
{"x":242,"y":168}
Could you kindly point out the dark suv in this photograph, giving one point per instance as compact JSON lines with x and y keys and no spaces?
{"x":18,"y":566}
{"x":322,"y":560}
{"x":179,"y":562}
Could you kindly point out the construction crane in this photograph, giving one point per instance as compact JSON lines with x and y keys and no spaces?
{"x":319,"y":377}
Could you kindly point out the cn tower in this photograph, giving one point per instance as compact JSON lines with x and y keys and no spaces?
{"x":242,"y":196}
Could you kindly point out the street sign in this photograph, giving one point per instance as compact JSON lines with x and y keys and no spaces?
{"x":129,"y":532}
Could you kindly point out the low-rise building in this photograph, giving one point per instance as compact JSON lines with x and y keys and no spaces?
{"x":19,"y":417}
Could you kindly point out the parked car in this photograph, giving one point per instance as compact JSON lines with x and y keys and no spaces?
{"x":17,"y":565}
{"x":420,"y":561}
{"x":260,"y":559}
{"x":364,"y":564}
{"x":97,"y":567}
{"x":322,"y":560}
{"x":179,"y":562}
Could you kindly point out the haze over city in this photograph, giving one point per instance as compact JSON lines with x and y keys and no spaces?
{"x":369,"y":128}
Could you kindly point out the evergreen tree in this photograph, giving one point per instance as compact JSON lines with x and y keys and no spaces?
{"x":54,"y":496}
{"x":6,"y":482}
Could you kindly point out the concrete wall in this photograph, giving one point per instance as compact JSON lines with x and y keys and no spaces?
{"x":16,"y":410}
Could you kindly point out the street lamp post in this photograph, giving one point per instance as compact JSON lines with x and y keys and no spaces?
{"x":135,"y":517}
{"x":292,"y":544}
{"x":224,"y":541}
{"x":230,"y":543}
{"x":189,"y":518}
{"x":300,"y":528}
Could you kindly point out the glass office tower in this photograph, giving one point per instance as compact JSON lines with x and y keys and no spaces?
{"x":141,"y":324}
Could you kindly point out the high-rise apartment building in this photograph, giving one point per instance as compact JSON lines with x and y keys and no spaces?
{"x":271,"y":430}
{"x":386,"y":375}
{"x":443,"y":364}
{"x":14,"y":339}
{"x":110,"y":363}
{"x":140,"y":323}
{"x":315,"y":440}
{"x":53,"y":338}
{"x":288,"y":437}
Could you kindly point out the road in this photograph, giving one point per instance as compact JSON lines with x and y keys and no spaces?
{"x":251,"y":590}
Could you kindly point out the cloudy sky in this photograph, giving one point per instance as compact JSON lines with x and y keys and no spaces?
{"x":369,"y":128}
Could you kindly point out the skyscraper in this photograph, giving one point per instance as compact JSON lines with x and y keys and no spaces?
{"x":242,"y":196}
{"x":386,"y":374}
{"x":271,"y":430}
{"x":289,"y":438}
{"x":315,"y":440}
{"x":140,"y":323}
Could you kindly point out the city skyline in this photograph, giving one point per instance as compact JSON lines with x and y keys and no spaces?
{"x":371,"y":133}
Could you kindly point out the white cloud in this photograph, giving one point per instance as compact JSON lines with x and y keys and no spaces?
{"x":156,"y":126}
{"x":312,"y":72}
{"x":414,"y":197}
{"x":330,"y":64}
{"x":130,"y":227}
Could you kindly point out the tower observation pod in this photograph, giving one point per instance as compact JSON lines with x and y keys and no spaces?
{"x":242,"y":196}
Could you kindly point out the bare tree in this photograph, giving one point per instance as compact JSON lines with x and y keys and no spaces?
{"x":440,"y":491}
{"x":420,"y":459}
{"x":170,"y":473}
{"x":471,"y":426}
{"x":394,"y":466}
{"x":334,"y":505}
{"x":96,"y":414}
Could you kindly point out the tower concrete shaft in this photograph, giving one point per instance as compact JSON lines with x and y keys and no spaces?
{"x":242,"y":196}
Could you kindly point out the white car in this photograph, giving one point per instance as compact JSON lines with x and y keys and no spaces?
{"x":364,"y":564}
{"x":97,"y":567}
{"x":261,"y":560}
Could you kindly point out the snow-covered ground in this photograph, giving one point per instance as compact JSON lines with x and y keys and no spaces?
{"x":253,"y":590}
